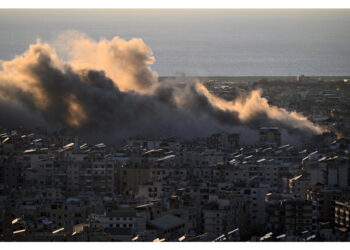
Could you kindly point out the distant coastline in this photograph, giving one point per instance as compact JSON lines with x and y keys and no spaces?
{"x":257,"y":78}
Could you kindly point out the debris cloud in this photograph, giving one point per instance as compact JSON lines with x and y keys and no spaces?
{"x":107,"y":90}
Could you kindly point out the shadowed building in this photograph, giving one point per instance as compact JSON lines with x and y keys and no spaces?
{"x":270,"y":136}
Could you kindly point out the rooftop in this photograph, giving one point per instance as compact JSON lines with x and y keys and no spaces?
{"x":166,"y":222}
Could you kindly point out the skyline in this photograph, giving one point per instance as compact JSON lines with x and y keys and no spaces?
{"x":174,"y":125}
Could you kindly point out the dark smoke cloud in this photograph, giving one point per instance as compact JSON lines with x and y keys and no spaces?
{"x":40,"y":89}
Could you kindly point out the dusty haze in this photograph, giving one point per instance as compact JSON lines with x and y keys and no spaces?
{"x":203,"y":42}
{"x":107,"y":90}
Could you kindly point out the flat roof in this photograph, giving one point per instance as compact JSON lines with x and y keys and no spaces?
{"x":166,"y":222}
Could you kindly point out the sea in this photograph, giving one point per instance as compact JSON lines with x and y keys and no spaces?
{"x":207,"y":42}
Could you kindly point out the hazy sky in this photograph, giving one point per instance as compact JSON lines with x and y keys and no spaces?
{"x":203,"y":42}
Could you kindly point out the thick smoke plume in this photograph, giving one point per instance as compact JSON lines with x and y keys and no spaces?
{"x":107,"y":89}
{"x":125,"y":62}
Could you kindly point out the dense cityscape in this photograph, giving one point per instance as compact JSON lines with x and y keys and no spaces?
{"x":56,"y":186}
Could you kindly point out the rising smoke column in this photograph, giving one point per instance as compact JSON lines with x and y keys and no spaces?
{"x":40,"y":84}
{"x":255,"y":109}
{"x":107,"y":89}
{"x":127,"y":63}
